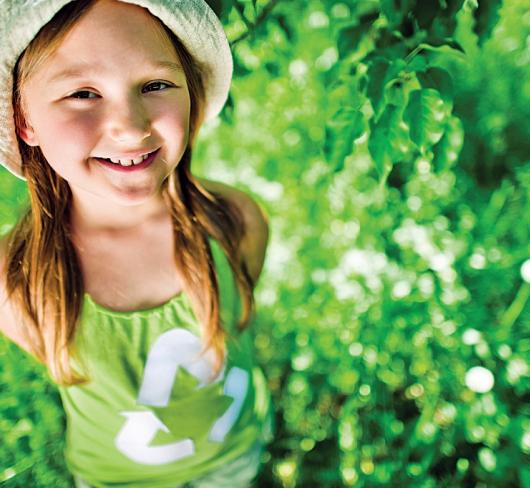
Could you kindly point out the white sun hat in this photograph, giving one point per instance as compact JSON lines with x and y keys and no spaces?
{"x":192,"y":21}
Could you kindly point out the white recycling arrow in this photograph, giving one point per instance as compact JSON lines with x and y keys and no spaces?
{"x":139,"y":430}
{"x":171,"y":350}
{"x":236,"y":386}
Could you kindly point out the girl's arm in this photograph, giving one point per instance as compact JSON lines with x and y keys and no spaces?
{"x":256,"y":237}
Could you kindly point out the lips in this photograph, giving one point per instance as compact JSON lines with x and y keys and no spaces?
{"x":133,"y":167}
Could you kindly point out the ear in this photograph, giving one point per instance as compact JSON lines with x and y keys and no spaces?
{"x":27,"y":134}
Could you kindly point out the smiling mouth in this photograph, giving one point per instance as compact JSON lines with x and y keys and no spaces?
{"x":129,"y":164}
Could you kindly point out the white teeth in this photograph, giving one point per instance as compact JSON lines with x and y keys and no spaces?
{"x":129,"y":162}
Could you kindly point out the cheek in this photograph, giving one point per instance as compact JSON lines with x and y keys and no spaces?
{"x":173,"y":118}
{"x":175,"y":126}
{"x":66,"y":125}
{"x":66,"y":135}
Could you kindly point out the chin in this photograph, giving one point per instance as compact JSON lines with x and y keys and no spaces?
{"x":134,"y":199}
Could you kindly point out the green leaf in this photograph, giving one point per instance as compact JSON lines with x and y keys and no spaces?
{"x":440,"y":80}
{"x":377,"y":78}
{"x":387,"y":136}
{"x":365,"y":9}
{"x":395,"y":93}
{"x":240,"y":68}
{"x":350,"y":38}
{"x":369,"y":17}
{"x":447,"y":150}
{"x":390,"y":43}
{"x":397,"y":66}
{"x":486,"y":17}
{"x":418,"y":63}
{"x":381,"y":75}
{"x":284,"y":25}
{"x":343,"y":92}
{"x":346,"y":126}
{"x":394,"y":13}
{"x":426,"y":115}
{"x":452,"y":7}
{"x":424,"y":12}
{"x":227,"y":113}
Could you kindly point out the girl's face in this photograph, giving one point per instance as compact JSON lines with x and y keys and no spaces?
{"x":115,"y":86}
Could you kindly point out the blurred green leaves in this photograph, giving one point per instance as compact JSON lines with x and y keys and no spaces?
{"x":486,"y":16}
{"x":346,"y":126}
{"x":388,"y":142}
{"x":426,"y":117}
{"x":397,"y":61}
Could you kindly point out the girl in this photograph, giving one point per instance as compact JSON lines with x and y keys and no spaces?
{"x":128,"y":277}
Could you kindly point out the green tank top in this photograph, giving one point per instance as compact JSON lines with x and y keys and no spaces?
{"x":152,"y":416}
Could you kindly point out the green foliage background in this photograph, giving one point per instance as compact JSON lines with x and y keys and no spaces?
{"x":389,"y":143}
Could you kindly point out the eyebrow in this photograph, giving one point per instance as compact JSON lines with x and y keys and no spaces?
{"x":78,"y":71}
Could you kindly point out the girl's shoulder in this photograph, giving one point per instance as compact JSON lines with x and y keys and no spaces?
{"x":253,"y":245}
{"x":10,"y":325}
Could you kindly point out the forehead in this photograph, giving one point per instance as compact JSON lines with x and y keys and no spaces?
{"x":112,"y":35}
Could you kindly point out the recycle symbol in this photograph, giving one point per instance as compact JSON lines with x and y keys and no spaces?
{"x":177,"y":351}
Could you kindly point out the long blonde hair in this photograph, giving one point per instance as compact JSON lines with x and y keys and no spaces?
{"x":44,"y":279}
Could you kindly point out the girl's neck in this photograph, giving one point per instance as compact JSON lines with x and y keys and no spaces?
{"x":103,"y":217}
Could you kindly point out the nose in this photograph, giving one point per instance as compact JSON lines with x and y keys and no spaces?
{"x":128,"y":121}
